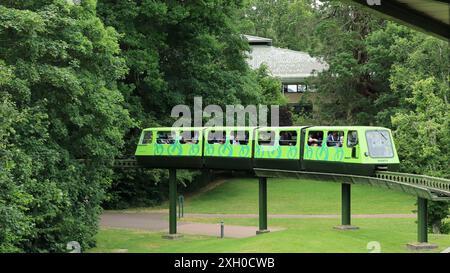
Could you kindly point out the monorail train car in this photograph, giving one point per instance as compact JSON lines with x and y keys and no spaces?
{"x":171,"y":148}
{"x":357,"y":150}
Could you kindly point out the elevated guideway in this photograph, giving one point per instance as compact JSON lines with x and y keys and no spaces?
{"x":431,"y":188}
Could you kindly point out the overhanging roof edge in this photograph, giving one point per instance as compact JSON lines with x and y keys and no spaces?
{"x":403,"y":14}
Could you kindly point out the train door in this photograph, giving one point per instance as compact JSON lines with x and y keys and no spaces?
{"x":277,"y":148}
{"x":240,"y":141}
{"x":352,"y":149}
{"x":228,"y":148}
{"x":335,"y":145}
{"x":313,"y":147}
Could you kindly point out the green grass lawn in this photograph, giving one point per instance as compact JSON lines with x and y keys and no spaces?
{"x":301,"y":235}
{"x":285,"y":196}
{"x":291,"y":196}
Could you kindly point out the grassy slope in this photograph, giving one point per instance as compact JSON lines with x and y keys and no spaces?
{"x":292,"y":196}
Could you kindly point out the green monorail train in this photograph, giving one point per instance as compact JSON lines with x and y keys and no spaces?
{"x":358,"y":150}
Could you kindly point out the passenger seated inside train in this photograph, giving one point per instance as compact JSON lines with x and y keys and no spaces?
{"x":233,"y":139}
{"x":165,"y":138}
{"x":266,"y":138}
{"x":216,"y":137}
{"x":239,"y":137}
{"x":189,"y":137}
{"x":335,"y":139}
{"x":288,"y":138}
{"x":315,"y":138}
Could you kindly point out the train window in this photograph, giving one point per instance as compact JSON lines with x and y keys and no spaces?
{"x":288,"y":138}
{"x":189,"y":137}
{"x":315,"y":138}
{"x":352,"y":139}
{"x":216,"y":137}
{"x":147,"y":137}
{"x":379,"y":143}
{"x":335,"y":138}
{"x":165,"y":137}
{"x":266,"y":138}
{"x":239,"y":137}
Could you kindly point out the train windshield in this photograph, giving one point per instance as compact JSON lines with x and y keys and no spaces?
{"x":379,"y":143}
{"x":146,"y":137}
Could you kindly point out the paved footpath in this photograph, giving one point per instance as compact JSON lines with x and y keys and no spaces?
{"x":139,"y":220}
{"x":157,"y":221}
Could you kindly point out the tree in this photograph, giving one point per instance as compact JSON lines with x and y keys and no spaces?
{"x":420,"y":87}
{"x":290,"y":24}
{"x":175,"y":51}
{"x":380,"y":73}
{"x":15,"y":224}
{"x":347,"y":90}
{"x":422,"y":137}
{"x":66,"y":124}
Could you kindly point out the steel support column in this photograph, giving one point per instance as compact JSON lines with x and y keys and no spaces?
{"x":422,"y":218}
{"x":346,"y":204}
{"x":422,"y":228}
{"x":346,"y":214}
{"x":172,"y":201}
{"x":262,"y":205}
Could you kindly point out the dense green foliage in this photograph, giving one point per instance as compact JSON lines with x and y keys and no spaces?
{"x":175,"y":51}
{"x":59,"y":103}
{"x":379,"y":73}
{"x":290,"y":24}
{"x":79,"y":79}
{"x":419,"y":113}
{"x":394,"y":77}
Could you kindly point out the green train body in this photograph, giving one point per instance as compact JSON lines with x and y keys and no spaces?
{"x":358,"y":150}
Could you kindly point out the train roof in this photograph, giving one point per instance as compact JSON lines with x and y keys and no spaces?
{"x":281,"y":127}
{"x":350,"y":127}
{"x":173,"y":128}
{"x":264,"y":128}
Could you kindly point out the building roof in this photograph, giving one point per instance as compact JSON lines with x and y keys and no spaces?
{"x":429,"y":16}
{"x":289,"y":65}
